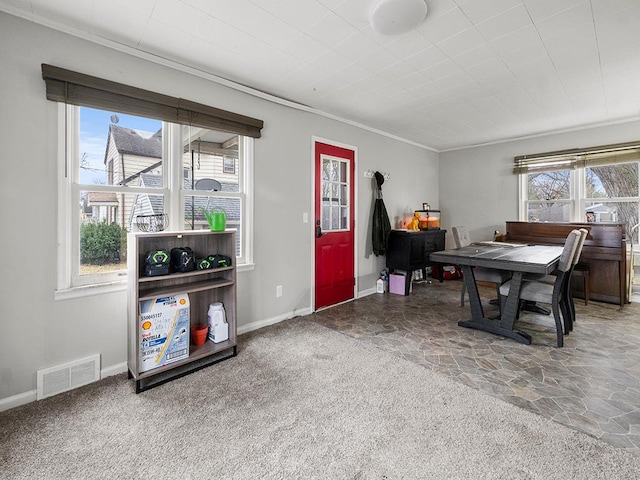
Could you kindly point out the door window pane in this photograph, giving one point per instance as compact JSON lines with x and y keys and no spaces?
{"x":326,"y":217}
{"x":335,"y":194}
{"x":335,"y":218}
{"x":334,"y":171}
{"x":326,"y":169}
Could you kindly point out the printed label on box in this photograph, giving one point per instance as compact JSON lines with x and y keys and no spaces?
{"x":164,"y":330}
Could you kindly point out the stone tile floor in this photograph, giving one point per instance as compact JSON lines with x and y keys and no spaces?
{"x":592,"y":384}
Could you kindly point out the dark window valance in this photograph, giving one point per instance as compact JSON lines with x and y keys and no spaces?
{"x":79,"y":89}
{"x":577,"y":157}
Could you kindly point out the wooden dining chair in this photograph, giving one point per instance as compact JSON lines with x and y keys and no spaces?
{"x":554,"y":294}
{"x":462,"y":238}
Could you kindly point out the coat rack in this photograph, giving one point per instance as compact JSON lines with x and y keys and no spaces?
{"x":371,"y":173}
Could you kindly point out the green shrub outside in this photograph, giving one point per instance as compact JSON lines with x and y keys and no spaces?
{"x":101,"y":243}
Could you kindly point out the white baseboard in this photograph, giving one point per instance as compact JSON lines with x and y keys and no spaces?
{"x":116,"y":369}
{"x":17,"y":400}
{"x":250,"y":327}
{"x":366,"y":293}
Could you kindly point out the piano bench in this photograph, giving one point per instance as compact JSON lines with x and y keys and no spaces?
{"x":582,"y":270}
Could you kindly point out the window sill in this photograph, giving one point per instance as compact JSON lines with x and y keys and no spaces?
{"x":246,"y":267}
{"x":119,"y":286}
{"x":89,"y":290}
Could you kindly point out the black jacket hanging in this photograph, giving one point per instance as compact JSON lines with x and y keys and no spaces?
{"x":381,"y":224}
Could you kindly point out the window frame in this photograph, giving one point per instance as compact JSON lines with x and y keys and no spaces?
{"x":70,"y":283}
{"x":577,"y":191}
{"x":343,"y":185}
{"x":524,"y":202}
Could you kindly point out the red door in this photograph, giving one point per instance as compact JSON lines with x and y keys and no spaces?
{"x":334,"y":224}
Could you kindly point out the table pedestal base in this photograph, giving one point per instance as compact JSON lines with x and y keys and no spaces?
{"x":493,"y":326}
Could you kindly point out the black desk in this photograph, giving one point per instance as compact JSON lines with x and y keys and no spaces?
{"x":528,"y":258}
{"x":409,"y":250}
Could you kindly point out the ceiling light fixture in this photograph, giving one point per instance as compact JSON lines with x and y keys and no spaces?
{"x":392,"y":17}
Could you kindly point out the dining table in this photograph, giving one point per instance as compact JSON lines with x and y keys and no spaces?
{"x":519,"y":259}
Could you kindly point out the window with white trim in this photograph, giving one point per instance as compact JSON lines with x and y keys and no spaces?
{"x":132,"y":159}
{"x":599,"y":184}
{"x":117,"y":177}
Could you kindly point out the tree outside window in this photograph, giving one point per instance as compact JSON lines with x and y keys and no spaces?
{"x":611,"y":194}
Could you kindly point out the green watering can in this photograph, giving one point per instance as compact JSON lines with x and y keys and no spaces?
{"x":217,"y":219}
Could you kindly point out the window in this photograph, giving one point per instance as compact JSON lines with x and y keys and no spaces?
{"x":549,"y":196}
{"x":600,"y":184}
{"x":211,"y":186}
{"x":120,"y":181}
{"x":611,"y":193}
{"x":128,"y":161}
{"x":229,"y":165}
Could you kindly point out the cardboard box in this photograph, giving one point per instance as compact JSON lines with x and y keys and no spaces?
{"x":164,"y":331}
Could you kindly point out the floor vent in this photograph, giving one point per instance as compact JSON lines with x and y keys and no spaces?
{"x":68,"y":376}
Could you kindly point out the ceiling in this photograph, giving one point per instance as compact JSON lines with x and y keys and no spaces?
{"x":474,"y":72}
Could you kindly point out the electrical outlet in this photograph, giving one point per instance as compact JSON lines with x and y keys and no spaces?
{"x":278,"y":291}
{"x":305,"y":217}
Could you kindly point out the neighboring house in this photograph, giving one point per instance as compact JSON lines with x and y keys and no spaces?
{"x":152,"y":204}
{"x":129,"y":153}
{"x":134,"y":157}
{"x":603,"y":213}
{"x":100,"y":207}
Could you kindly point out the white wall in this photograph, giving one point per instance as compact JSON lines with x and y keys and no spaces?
{"x":478,"y":188}
{"x":38,"y":332}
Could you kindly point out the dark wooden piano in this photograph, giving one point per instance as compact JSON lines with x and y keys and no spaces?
{"x":604,"y":252}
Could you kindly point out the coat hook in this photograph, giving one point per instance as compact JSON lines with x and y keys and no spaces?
{"x":371,"y":173}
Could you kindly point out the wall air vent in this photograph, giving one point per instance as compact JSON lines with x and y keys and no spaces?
{"x":68,"y":376}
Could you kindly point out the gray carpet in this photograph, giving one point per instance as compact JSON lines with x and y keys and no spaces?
{"x":299,"y":401}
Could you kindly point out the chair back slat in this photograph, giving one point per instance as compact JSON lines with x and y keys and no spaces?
{"x":461,"y":236}
{"x":570,"y":246}
{"x":578,"y":252}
